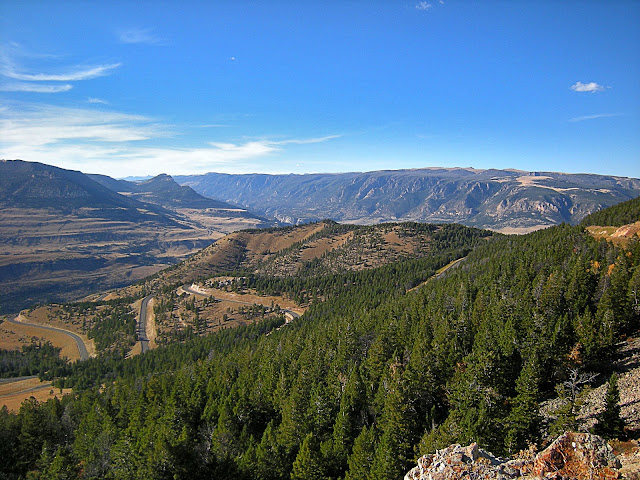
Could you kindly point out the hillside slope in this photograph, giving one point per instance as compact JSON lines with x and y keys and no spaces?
{"x":502,"y":200}
{"x":322,"y":248}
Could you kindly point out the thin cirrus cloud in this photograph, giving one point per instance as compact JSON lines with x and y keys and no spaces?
{"x":72,"y":76}
{"x":144,"y":36}
{"x":27,"y":124}
{"x":423,"y":5}
{"x":35,"y":87}
{"x":591,"y":87}
{"x":593,"y":117}
{"x":305,"y":141}
{"x":30,"y":81}
{"x":120,"y":142}
{"x":97,"y":100}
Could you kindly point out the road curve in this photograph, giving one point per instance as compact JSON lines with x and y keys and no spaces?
{"x":82,"y":349}
{"x":142,"y":324}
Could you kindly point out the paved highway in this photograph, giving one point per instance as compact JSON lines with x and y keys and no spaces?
{"x":17,"y":379}
{"x":142,"y":324}
{"x":82,"y":349}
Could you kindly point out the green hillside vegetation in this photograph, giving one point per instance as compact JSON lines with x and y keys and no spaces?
{"x":367,"y":379}
{"x":621,"y":214}
{"x":42,"y":359}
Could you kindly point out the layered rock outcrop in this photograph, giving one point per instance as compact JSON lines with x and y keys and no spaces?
{"x":575,"y":456}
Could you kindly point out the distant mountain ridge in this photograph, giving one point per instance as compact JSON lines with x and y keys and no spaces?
{"x":161,"y":190}
{"x":63,"y":234}
{"x":503,"y":200}
{"x":36,"y":185}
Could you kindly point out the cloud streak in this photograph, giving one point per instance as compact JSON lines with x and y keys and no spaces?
{"x":306,"y":141}
{"x":81,"y":74}
{"x":591,"y":87}
{"x":37,"y":88}
{"x":121,"y":144}
{"x":45,"y":125}
{"x":143,"y":36}
{"x":593,"y":117}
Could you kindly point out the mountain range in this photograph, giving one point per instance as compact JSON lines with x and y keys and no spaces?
{"x":509,"y":201}
{"x":64,"y":234}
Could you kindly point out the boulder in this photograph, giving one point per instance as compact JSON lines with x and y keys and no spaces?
{"x":572,"y":456}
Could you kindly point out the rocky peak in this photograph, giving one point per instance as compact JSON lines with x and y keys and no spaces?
{"x":578,"y":456}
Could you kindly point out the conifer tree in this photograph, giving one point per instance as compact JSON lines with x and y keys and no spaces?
{"x":270,"y":457}
{"x":361,"y":458}
{"x":308,"y":465}
{"x":394,"y":449}
{"x":349,"y":421}
{"x":610,"y":423}
{"x":524,"y":419}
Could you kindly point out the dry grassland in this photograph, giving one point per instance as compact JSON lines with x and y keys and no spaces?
{"x":14,"y":336}
{"x":323,"y":245}
{"x":13,"y":393}
{"x":54,"y":316}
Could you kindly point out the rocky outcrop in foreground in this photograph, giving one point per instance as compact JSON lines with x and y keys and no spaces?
{"x":578,"y":456}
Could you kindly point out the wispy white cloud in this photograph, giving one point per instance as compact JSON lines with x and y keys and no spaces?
{"x":423,"y":5}
{"x":35,"y":87}
{"x":591,"y":87}
{"x":305,"y":141}
{"x":97,"y":100}
{"x":144,"y":36}
{"x":121,"y":144}
{"x":77,"y":74}
{"x":10,"y":67}
{"x":46,"y":124}
{"x":593,"y":117}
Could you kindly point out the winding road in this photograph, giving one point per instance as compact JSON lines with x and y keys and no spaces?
{"x":142,"y":324}
{"x":82,"y":349}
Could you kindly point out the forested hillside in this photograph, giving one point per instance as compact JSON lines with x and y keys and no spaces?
{"x":616,"y":216}
{"x":371,"y":376}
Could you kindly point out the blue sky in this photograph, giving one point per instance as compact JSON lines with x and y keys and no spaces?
{"x":142,"y":88}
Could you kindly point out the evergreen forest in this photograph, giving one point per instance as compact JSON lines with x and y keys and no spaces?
{"x":385,"y":365}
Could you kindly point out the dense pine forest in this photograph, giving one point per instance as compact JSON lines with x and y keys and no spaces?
{"x":375,"y":373}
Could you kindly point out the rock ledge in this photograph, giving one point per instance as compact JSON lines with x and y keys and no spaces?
{"x":575,"y":456}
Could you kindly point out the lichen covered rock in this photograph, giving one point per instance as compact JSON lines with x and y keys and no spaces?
{"x":572,"y":456}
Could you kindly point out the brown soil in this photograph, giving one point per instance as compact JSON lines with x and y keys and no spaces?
{"x":323,"y":245}
{"x":152,"y":332}
{"x":231,"y":310}
{"x":616,"y":235}
{"x":252,"y":297}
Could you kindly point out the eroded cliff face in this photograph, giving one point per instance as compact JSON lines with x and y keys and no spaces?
{"x":578,"y":456}
{"x":504,"y":200}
